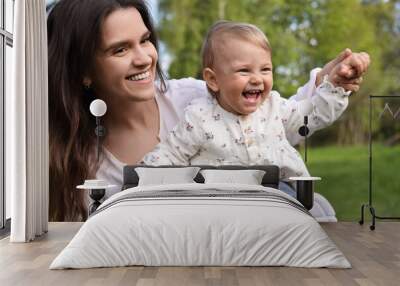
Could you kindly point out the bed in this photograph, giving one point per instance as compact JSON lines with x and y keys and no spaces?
{"x":201,"y":223}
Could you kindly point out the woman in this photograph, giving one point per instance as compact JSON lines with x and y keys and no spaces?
{"x":108,"y":49}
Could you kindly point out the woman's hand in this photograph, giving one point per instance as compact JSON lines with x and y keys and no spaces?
{"x":345,"y":70}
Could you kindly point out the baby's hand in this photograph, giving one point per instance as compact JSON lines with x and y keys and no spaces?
{"x":346,"y":70}
{"x":348,"y":73}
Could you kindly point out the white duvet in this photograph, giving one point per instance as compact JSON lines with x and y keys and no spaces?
{"x":225,"y":225}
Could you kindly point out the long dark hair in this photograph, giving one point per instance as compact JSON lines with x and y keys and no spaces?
{"x":73,"y":28}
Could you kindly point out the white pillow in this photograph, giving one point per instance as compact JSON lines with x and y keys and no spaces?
{"x":249,"y":177}
{"x":164,"y":176}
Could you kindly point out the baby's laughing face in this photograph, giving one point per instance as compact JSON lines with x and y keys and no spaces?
{"x":243,"y":76}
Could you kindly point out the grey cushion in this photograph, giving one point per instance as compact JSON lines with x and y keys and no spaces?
{"x":248,"y":177}
{"x":163,"y":176}
{"x":270,"y":179}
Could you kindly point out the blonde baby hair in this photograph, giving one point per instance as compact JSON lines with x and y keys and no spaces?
{"x":220,"y":29}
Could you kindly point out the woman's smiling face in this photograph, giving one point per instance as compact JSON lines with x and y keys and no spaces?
{"x":125,"y":61}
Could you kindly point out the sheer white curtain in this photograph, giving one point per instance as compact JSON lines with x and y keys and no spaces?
{"x":27,"y":124}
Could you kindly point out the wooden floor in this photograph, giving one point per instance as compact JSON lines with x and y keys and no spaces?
{"x":374,"y":255}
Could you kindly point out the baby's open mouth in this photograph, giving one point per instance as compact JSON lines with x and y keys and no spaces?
{"x":253,"y":94}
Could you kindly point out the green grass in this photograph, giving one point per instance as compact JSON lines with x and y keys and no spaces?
{"x":345,"y":178}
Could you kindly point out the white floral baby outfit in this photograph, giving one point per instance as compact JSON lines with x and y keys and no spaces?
{"x":210,"y":135}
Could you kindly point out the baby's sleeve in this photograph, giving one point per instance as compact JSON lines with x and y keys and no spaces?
{"x":291,"y":113}
{"x":181,"y":144}
{"x":308,"y":89}
{"x":323,"y":108}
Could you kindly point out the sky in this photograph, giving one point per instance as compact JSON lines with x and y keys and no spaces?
{"x":153,"y":5}
{"x":164,"y":57}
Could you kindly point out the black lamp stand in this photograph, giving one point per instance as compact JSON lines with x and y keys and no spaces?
{"x":97,"y":194}
{"x":305,"y":188}
{"x":304,"y":131}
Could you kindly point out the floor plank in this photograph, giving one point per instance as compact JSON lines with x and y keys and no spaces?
{"x":374,"y":255}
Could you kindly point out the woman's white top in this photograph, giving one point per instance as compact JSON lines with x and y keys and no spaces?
{"x":171,"y":105}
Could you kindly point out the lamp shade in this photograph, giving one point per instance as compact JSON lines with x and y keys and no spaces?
{"x":98,"y":107}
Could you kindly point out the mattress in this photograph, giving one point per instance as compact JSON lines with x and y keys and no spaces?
{"x":201,"y":225}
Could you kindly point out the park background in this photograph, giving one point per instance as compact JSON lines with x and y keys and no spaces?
{"x":305,"y":34}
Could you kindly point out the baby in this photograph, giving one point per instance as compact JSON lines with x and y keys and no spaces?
{"x":243,"y":122}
